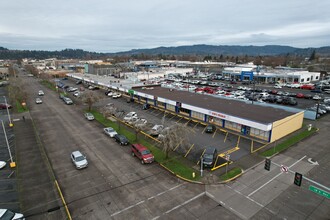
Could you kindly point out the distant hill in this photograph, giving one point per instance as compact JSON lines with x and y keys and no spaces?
{"x":269,"y":50}
{"x":202,"y":50}
{"x":216,"y":50}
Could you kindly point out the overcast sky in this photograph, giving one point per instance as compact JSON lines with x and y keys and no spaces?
{"x":121,"y":25}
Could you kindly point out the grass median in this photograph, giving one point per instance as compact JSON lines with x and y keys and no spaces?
{"x":171,"y":163}
{"x":288,"y":142}
{"x":231,"y":174}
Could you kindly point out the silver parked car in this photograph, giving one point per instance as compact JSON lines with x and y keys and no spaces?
{"x":79,"y":160}
{"x":89,"y":116}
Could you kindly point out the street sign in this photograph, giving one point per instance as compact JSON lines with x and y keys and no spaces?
{"x":319,"y":191}
{"x":228,"y":157}
{"x":284,"y":169}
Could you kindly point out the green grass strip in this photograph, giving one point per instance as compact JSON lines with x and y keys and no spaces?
{"x":231,"y":173}
{"x":20,"y":108}
{"x":288,"y":143}
{"x":48,"y":84}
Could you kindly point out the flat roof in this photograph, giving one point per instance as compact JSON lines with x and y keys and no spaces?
{"x":256,"y":113}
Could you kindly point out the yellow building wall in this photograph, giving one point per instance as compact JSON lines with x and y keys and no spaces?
{"x":286,"y":126}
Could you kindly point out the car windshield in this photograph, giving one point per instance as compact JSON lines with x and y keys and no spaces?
{"x":110,"y":130}
{"x":8,"y":215}
{"x":145,"y":152}
{"x":80,"y":158}
{"x":208,"y":156}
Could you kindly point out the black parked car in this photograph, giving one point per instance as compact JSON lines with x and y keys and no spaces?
{"x":289,"y":101}
{"x":146,"y":106}
{"x":210,"y":129}
{"x":121,"y":139}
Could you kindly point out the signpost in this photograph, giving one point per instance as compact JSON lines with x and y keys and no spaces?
{"x":319,"y":191}
{"x":227,"y":158}
{"x":284,"y":169}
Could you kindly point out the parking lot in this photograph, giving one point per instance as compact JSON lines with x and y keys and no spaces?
{"x":225,"y":142}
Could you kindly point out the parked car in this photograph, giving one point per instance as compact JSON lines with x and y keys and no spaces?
{"x":300,"y":95}
{"x":210,"y":129}
{"x":121,"y":139}
{"x":155,"y":130}
{"x":2,"y":164}
{"x":116,"y":95}
{"x":145,"y":106}
{"x":79,"y":160}
{"x":317,"y":97}
{"x":142,"y":153}
{"x":209,"y":156}
{"x":129,"y":116}
{"x":78,"y":82}
{"x":38,"y":101}
{"x":41,"y":93}
{"x":67,"y":101}
{"x":110,"y":131}
{"x":76,"y":93}
{"x":10,"y":215}
{"x":289,"y":101}
{"x":5,"y":106}
{"x":89,"y":116}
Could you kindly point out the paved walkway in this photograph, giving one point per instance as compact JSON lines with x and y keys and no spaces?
{"x":38,"y":194}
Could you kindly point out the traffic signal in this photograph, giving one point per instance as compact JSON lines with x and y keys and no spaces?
{"x":298,"y":178}
{"x":267,"y":164}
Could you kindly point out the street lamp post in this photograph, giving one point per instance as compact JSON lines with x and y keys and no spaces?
{"x":12,"y":163}
{"x":10,"y":123}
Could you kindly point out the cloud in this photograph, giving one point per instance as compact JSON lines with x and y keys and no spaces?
{"x":111,"y":26}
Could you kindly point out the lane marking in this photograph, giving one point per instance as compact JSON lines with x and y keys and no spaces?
{"x":184,"y":203}
{"x":275,"y":177}
{"x":152,"y":197}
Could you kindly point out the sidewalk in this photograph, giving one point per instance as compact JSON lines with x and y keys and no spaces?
{"x":37,"y":191}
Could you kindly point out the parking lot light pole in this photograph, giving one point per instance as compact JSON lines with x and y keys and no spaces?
{"x":12,"y":163}
{"x":10,"y":123}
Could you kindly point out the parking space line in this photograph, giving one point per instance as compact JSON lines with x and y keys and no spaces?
{"x":179,"y":120}
{"x":214,"y":133}
{"x":204,"y":130}
{"x":189,"y":150}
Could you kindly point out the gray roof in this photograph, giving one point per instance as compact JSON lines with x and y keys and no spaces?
{"x":235,"y":108}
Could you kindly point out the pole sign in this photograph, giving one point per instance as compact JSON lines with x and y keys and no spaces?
{"x":319,"y":191}
{"x":284,"y":169}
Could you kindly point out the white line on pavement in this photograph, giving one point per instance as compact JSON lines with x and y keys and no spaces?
{"x":275,"y":177}
{"x":131,"y":206}
{"x":182,"y":204}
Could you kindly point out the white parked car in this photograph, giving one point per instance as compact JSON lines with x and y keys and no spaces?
{"x":41,"y":93}
{"x":76,"y":93}
{"x":8,"y":214}
{"x":110,"y":131}
{"x":79,"y":160}
{"x":38,"y":101}
{"x":67,"y":101}
{"x":89,"y":116}
{"x":155,"y":130}
{"x":129,"y":116}
{"x":2,"y":164}
{"x":116,"y":95}
{"x":278,"y":86}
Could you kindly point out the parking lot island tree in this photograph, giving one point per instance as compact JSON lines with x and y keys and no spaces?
{"x":90,"y":97}
{"x":173,"y":136}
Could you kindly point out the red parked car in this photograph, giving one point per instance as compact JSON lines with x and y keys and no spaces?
{"x":5,"y":106}
{"x":142,"y":153}
{"x":306,"y":86}
{"x":300,"y":95}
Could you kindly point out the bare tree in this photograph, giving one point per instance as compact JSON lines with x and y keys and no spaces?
{"x":16,"y":90}
{"x":90,"y":98}
{"x":173,"y":136}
